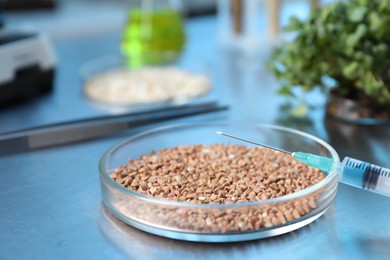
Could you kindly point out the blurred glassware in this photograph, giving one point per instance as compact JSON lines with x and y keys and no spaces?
{"x":111,"y":84}
{"x":254,"y":25}
{"x":152,"y":25}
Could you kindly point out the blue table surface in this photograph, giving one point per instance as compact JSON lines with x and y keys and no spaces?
{"x":50,"y":199}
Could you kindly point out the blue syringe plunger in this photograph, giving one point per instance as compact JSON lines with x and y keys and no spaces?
{"x":353,"y":172}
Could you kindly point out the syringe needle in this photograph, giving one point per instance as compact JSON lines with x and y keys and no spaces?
{"x":248,"y":141}
{"x":319,"y":162}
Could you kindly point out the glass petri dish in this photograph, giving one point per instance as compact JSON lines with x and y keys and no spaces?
{"x":153,"y":80}
{"x":175,"y":219}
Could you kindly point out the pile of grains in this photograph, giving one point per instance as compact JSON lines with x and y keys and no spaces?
{"x":146,"y":85}
{"x":217,"y":174}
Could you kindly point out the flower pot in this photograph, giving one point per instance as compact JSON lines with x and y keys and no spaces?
{"x":357,"y":111}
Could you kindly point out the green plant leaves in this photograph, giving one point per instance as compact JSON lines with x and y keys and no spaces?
{"x":350,"y":70}
{"x":357,"y":14}
{"x":294,"y":24}
{"x":354,"y":38}
{"x":347,"y":41}
{"x":374,"y":21}
{"x":286,"y":90}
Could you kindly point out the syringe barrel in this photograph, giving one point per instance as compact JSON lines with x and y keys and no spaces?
{"x":365,"y":176}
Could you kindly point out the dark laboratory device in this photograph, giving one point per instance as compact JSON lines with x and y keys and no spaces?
{"x":27,"y":65}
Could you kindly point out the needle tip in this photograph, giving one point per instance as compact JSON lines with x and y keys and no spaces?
{"x":218,"y":132}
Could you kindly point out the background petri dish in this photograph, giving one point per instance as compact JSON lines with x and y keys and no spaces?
{"x":159,"y":79}
{"x":175,"y":220}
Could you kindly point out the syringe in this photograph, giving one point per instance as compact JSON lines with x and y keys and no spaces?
{"x":352,"y":172}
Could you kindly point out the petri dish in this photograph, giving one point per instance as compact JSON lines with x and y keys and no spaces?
{"x":156,"y":79}
{"x":177,"y":220}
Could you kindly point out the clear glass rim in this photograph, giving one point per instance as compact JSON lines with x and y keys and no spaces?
{"x":117,"y":59}
{"x":302,"y":193}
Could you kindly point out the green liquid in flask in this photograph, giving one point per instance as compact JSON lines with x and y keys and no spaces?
{"x":152,"y":37}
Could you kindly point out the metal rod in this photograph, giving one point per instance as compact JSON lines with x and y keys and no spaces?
{"x":90,"y":128}
{"x":248,"y":141}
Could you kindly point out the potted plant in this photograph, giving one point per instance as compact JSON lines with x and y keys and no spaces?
{"x":343,"y":48}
